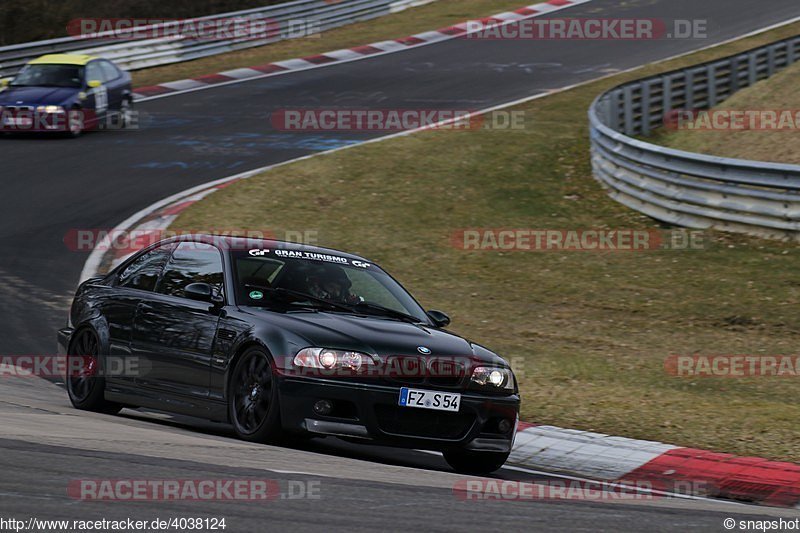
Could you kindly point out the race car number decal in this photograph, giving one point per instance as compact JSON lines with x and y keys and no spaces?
{"x":100,"y":99}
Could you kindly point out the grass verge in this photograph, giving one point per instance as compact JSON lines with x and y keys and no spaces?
{"x":592,"y":329}
{"x":415,"y":20}
{"x":778,"y":93}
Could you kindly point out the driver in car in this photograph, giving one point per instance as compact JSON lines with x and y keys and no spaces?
{"x":331,"y":283}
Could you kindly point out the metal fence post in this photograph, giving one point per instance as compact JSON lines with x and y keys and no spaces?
{"x":711,"y":81}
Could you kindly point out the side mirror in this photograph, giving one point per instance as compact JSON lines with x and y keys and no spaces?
{"x":439,"y":318}
{"x":202,"y":292}
{"x":94,"y":84}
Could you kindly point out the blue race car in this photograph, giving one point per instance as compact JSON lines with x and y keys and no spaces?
{"x":67,"y":93}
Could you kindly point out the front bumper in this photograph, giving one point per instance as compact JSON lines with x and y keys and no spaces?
{"x":371,"y":412}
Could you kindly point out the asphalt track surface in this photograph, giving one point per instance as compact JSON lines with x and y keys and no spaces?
{"x":45,"y":445}
{"x":53,"y":185}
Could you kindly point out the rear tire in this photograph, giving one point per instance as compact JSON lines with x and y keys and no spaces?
{"x":125,"y":113}
{"x":475,"y":463}
{"x":253,"y":399}
{"x":87,"y":391}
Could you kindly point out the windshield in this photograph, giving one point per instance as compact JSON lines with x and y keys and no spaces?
{"x":280,"y":276}
{"x":49,"y":76}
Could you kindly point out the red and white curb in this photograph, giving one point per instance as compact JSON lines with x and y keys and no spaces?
{"x":663,"y":467}
{"x":352,"y":54}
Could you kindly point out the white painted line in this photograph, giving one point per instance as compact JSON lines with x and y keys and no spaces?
{"x":182,"y":85}
{"x":241,"y":73}
{"x":431,"y":36}
{"x":508,"y":15}
{"x":544,"y":8}
{"x":388,"y":46}
{"x":294,"y":64}
{"x":344,"y":54}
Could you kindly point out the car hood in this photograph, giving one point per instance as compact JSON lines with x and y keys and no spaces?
{"x":376,"y":335}
{"x":37,"y":95}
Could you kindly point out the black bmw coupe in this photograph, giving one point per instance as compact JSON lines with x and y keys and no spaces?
{"x":284,"y":340}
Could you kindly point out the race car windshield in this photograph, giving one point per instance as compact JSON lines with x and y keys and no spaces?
{"x":49,"y":76}
{"x":348,"y":286}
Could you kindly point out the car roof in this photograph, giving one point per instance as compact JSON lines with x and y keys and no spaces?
{"x":228,"y":242}
{"x":63,"y":59}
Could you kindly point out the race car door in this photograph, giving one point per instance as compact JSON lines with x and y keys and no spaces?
{"x":173,"y":336}
{"x":94,"y":73}
{"x":114,"y":82}
{"x":134,"y":283}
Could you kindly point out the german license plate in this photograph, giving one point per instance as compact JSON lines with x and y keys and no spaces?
{"x":426,"y":399}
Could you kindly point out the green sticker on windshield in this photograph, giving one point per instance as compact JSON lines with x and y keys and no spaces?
{"x":256,"y":295}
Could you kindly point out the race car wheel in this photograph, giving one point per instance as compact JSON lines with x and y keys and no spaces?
{"x":75,"y":123}
{"x":86,"y":390}
{"x":253,"y":399}
{"x":476,"y":463}
{"x":126,"y":113}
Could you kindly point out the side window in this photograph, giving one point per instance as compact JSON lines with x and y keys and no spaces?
{"x":93,"y":72}
{"x":110,"y":72}
{"x":143,"y":272}
{"x":192,"y":262}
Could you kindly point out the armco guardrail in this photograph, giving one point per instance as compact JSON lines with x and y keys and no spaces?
{"x":285,"y":20}
{"x":687,"y":189}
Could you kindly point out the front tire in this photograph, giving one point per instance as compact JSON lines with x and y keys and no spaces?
{"x":253,"y":399}
{"x":475,"y":463}
{"x":85,"y":389}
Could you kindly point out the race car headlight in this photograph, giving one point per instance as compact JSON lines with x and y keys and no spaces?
{"x":493,"y":378}
{"x":326,"y":359}
{"x":49,"y":109}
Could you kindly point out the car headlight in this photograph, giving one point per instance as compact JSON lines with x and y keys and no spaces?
{"x":49,"y":109}
{"x":493,"y":378}
{"x":327,"y":359}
